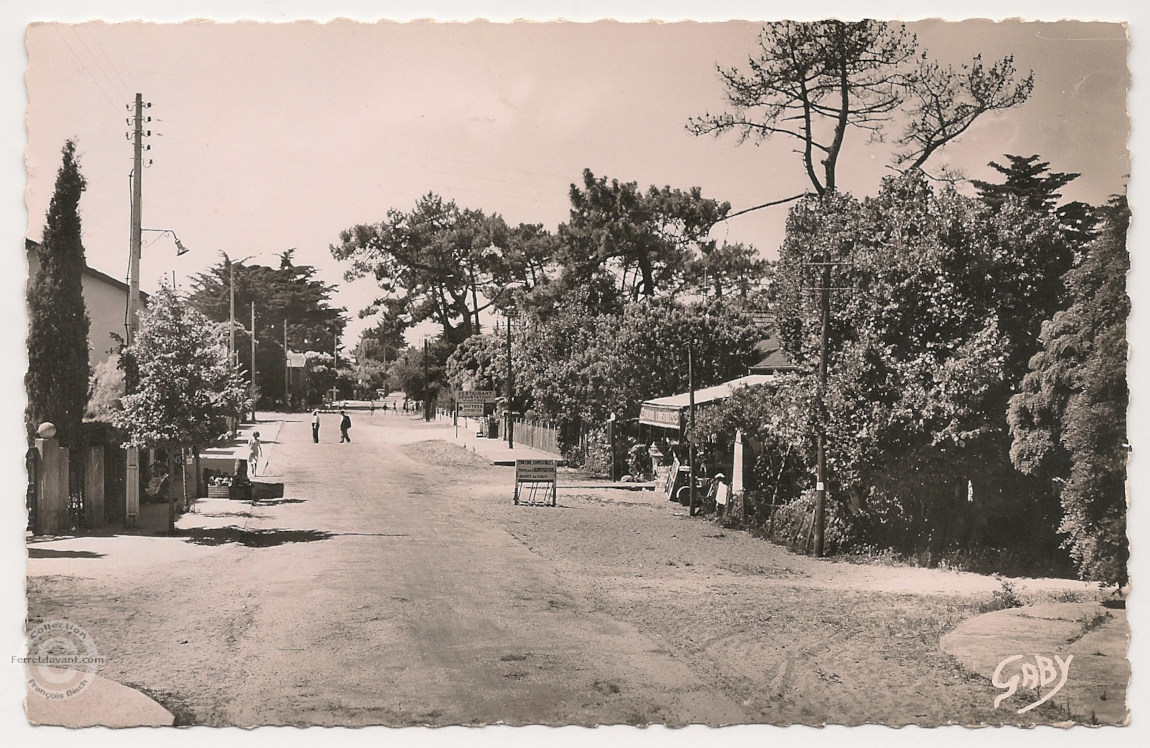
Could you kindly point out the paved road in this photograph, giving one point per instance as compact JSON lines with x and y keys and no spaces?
{"x":417,"y":610}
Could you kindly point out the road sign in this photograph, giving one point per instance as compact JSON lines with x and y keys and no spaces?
{"x":471,"y":410}
{"x":475,"y":396}
{"x":533,"y":476}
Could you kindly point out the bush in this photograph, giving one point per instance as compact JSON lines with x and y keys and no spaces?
{"x":792,"y":525}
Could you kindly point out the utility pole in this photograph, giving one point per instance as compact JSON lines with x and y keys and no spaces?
{"x":821,"y":458}
{"x":691,"y":426}
{"x":510,"y":390}
{"x":426,"y":387}
{"x":232,"y":315}
{"x":132,"y":456}
{"x":287,"y":378}
{"x":253,"y":336}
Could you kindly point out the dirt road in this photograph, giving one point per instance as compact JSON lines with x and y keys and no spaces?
{"x":397,"y":584}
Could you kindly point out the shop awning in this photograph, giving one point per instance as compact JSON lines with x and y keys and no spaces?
{"x":667,"y":412}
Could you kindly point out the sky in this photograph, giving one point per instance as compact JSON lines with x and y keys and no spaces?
{"x":266,"y":138}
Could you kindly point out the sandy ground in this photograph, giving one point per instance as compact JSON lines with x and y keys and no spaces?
{"x":396,"y":583}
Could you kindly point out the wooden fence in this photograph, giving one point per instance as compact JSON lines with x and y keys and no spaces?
{"x":537,"y":435}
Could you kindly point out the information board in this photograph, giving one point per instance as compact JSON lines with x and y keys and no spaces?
{"x":475,"y":396}
{"x":533,"y":476}
{"x":471,"y":410}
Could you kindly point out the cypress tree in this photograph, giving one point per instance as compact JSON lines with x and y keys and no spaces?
{"x":58,"y":369}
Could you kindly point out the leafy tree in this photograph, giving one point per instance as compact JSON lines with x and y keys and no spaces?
{"x":1031,"y":181}
{"x":383,"y":341}
{"x":187,"y":387}
{"x":288,"y":293}
{"x":729,"y":269}
{"x":451,"y":264}
{"x":939,"y":311}
{"x":107,"y":388}
{"x":578,"y":368}
{"x":1069,"y":419}
{"x":58,"y":369}
{"x":633,"y":244}
{"x":478,"y":363}
{"x":812,"y":82}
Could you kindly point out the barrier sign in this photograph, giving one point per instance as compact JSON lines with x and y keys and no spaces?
{"x":475,"y":396}
{"x":535,"y":476}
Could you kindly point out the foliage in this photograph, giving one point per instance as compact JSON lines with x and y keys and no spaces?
{"x":579,"y":368}
{"x":187,"y":387}
{"x":478,"y":363}
{"x":408,"y":373}
{"x":939,"y":310}
{"x":632,"y":244}
{"x":775,"y":421}
{"x":451,"y":264}
{"x":813,"y":81}
{"x":58,"y":370}
{"x":639,"y":460}
{"x":289,"y":293}
{"x":107,"y":387}
{"x":1031,"y":181}
{"x":1069,"y":420}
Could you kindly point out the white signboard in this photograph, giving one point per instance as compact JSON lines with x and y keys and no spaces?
{"x":475,"y":396}
{"x":471,"y":410}
{"x":536,"y":476}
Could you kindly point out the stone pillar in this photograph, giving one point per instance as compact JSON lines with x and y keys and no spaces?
{"x":132,"y":488}
{"x":94,"y":486}
{"x":737,"y":467}
{"x":52,"y":493}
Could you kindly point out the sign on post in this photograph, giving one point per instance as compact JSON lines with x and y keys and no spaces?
{"x":471,"y":397}
{"x":536,"y":475}
{"x":471,"y":410}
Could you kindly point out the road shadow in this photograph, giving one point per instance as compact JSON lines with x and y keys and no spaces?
{"x":249,"y":538}
{"x":54,"y":553}
{"x":274,"y":502}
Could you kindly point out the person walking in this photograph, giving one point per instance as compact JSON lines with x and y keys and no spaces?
{"x":344,"y":425}
{"x":255,"y":452}
{"x":315,"y":426}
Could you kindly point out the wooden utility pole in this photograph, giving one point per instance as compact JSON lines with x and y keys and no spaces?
{"x":232,"y":314}
{"x":132,"y":456}
{"x":287,"y":378}
{"x":691,"y":427}
{"x":426,"y":387}
{"x":253,"y":386}
{"x":510,"y":390}
{"x":821,"y":458}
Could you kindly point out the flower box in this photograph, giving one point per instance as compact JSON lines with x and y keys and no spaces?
{"x":219,"y":492}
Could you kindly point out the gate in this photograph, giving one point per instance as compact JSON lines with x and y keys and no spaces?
{"x":32,"y":495}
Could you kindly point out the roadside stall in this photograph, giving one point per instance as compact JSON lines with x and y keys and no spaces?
{"x":662,"y":422}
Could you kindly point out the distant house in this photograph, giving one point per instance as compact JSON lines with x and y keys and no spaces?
{"x":106,"y":300}
{"x":772,"y":359}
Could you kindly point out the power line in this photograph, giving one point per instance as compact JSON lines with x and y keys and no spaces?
{"x":80,"y":60}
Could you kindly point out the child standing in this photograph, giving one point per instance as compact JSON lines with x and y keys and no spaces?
{"x":255,"y":451}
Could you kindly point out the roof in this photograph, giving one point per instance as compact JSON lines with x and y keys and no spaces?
{"x":666,"y":412}
{"x":708,"y":394}
{"x":772,"y":357}
{"x":30,"y":246}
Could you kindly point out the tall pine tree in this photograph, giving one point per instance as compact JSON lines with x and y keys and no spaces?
{"x":58,"y":369}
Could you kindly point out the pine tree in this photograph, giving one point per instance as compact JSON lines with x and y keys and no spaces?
{"x":58,"y":369}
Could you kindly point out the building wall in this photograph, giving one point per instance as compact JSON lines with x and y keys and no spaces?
{"x":106,"y":300}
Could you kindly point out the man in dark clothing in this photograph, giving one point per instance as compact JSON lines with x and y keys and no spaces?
{"x":344,"y":425}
